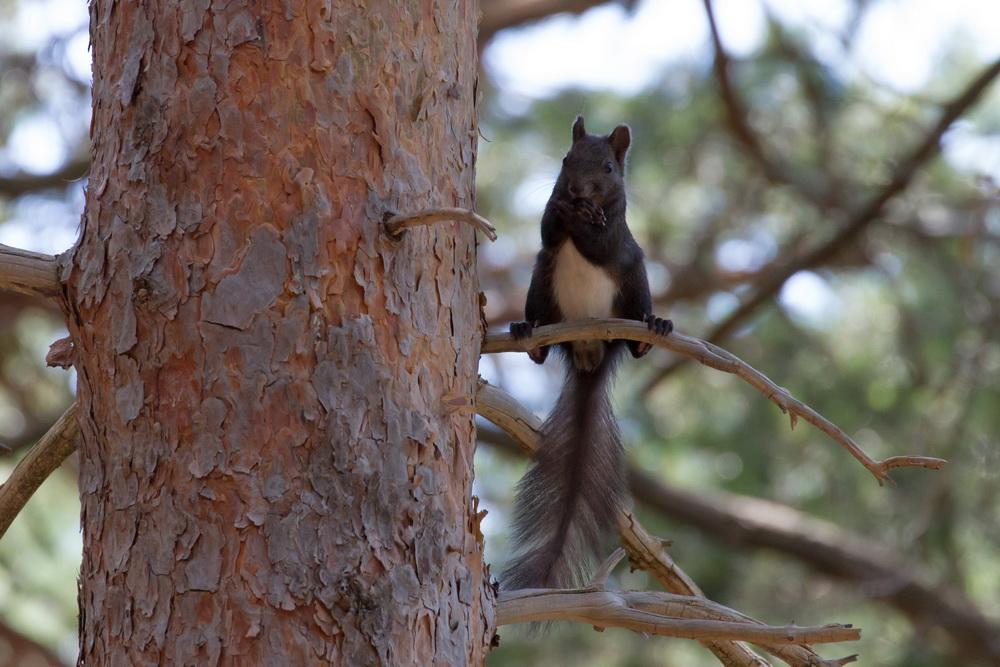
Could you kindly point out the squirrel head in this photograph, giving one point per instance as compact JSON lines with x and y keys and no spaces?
{"x":594,"y":167}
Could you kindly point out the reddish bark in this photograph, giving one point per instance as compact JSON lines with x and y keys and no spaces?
{"x":269,"y":473}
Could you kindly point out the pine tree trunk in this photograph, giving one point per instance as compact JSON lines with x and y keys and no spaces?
{"x":270,"y":471}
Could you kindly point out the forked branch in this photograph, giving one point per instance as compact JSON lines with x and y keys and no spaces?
{"x":715,"y":357}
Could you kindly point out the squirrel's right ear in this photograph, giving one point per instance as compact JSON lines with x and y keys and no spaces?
{"x":579,"y":131}
{"x":620,"y":138}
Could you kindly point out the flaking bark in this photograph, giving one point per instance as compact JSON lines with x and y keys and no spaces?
{"x":268,"y":471}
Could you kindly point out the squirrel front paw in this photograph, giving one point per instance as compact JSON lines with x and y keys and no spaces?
{"x":580,"y":209}
{"x":656,"y":324}
{"x":589,"y":212}
{"x":520,"y":330}
{"x":659,"y":325}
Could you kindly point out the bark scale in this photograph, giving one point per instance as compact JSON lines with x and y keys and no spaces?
{"x":270,"y":471}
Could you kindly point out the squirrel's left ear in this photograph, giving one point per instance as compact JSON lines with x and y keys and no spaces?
{"x":620,"y":138}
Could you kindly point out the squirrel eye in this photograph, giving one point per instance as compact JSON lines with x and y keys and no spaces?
{"x":607,"y":166}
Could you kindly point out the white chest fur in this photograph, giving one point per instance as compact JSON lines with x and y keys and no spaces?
{"x":581,"y":289}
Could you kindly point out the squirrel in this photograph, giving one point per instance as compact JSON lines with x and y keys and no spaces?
{"x":589,"y":266}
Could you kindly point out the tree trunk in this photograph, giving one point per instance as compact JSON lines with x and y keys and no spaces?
{"x":270,"y":471}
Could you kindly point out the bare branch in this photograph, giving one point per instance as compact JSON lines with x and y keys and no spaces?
{"x":30,"y":273}
{"x":397,"y":224}
{"x":710,"y":355}
{"x":629,"y":610}
{"x":21,"y":184}
{"x":43,"y":459}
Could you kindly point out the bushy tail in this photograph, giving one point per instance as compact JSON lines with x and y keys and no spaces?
{"x":568,"y":500}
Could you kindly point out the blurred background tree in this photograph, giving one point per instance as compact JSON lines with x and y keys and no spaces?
{"x":787,"y":186}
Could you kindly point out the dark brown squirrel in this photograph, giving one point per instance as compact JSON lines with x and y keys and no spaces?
{"x":589,"y":266}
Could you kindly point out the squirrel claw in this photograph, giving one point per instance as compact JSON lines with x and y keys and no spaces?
{"x":521,"y":330}
{"x":661,"y":326}
{"x":589,"y":212}
{"x":656,"y":324}
{"x":561,"y":207}
{"x":580,"y":209}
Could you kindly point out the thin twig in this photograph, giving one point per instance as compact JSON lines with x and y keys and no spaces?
{"x":715,"y":357}
{"x":397,"y":224}
{"x":40,"y":462}
{"x":628,"y":610}
{"x":31,"y":273}
{"x":600,"y":579}
{"x":862,"y":217}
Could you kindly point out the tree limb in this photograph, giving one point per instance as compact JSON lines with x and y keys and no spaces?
{"x":710,"y":355}
{"x":36,"y":466}
{"x":27,"y":272}
{"x":21,"y":184}
{"x":690,"y":618}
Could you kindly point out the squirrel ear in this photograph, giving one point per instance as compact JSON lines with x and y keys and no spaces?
{"x":620,"y":138}
{"x":578,"y":129}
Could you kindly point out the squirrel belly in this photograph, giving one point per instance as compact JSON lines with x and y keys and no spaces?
{"x":582,"y":290}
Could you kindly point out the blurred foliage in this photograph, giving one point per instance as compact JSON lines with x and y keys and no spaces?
{"x":895,"y":340}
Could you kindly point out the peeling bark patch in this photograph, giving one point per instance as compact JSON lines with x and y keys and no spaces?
{"x":203,"y":569}
{"x":130,"y":394}
{"x":255,"y":285}
{"x":192,"y":18}
{"x":208,"y":447}
{"x":125,"y":338}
